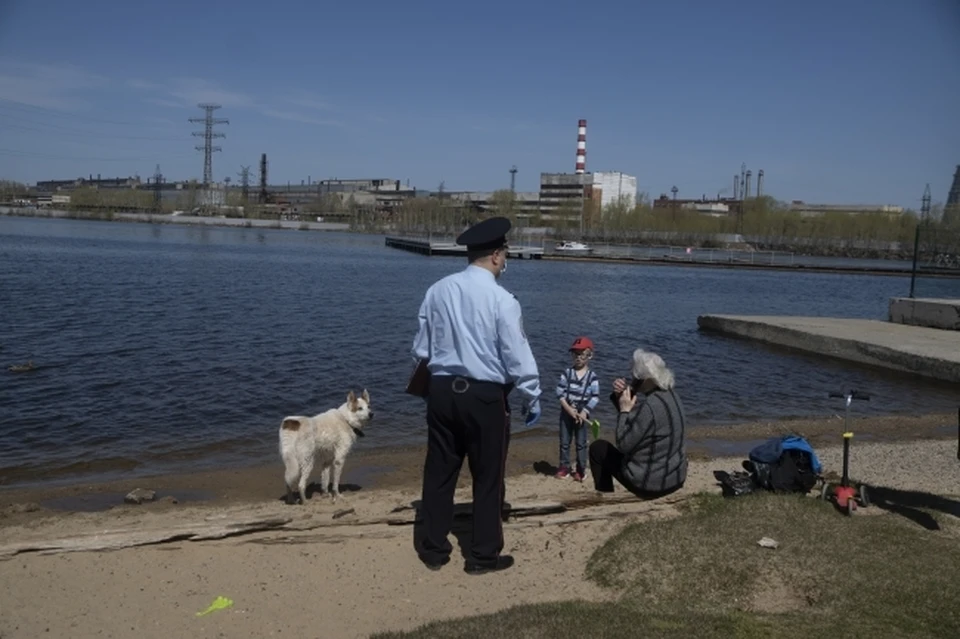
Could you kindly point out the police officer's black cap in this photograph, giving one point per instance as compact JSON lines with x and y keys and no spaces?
{"x":488,"y":234}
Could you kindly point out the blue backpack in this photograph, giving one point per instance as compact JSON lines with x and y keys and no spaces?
{"x":784,"y":464}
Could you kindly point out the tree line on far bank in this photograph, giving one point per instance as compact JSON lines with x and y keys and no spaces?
{"x":765,"y":222}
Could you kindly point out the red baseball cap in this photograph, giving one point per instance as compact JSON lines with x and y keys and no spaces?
{"x":581,"y":344}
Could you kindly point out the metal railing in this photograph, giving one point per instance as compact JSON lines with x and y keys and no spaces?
{"x":673,"y":253}
{"x":936,"y":250}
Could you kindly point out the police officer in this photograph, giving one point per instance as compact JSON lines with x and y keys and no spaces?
{"x":471,"y":336}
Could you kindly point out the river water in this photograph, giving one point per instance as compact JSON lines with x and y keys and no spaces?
{"x":166,"y":347}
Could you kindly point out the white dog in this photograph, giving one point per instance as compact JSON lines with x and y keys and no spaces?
{"x":327,"y":438}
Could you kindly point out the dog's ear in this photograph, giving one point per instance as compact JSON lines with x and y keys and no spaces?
{"x":291,"y":424}
{"x":352,"y":400}
{"x":366,"y":396}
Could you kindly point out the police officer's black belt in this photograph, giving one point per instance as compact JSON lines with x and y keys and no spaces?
{"x":460,"y":384}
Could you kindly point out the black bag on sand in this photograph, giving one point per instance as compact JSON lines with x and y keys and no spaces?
{"x":781,"y":464}
{"x":736,"y":484}
{"x":792,"y":472}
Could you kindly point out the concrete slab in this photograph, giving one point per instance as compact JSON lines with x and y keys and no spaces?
{"x":928,"y":352}
{"x":926,"y":311}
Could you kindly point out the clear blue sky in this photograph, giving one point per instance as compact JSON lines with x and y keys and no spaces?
{"x":838,"y":101}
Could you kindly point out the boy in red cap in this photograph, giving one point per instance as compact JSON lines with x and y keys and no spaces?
{"x":579,"y":394}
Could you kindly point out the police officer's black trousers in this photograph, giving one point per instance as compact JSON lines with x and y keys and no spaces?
{"x":464,"y":418}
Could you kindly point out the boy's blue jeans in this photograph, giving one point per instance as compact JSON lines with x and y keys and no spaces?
{"x":568,"y":428}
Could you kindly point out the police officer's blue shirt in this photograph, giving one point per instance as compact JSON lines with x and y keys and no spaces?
{"x":471,"y":326}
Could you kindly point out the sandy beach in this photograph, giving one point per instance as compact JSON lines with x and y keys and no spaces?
{"x":348,"y":569}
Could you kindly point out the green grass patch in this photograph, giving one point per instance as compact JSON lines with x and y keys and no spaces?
{"x":582,"y":619}
{"x":703,"y":574}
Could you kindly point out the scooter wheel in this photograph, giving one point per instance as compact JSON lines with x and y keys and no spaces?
{"x":851,"y":507}
{"x":864,"y":496}
{"x":825,"y":491}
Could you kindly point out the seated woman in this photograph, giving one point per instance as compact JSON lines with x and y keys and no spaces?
{"x":649,"y":457}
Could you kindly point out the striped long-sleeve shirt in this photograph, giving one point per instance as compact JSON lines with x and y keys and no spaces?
{"x":583,"y":393}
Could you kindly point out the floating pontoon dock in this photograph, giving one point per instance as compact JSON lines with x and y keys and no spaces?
{"x":431,"y":247}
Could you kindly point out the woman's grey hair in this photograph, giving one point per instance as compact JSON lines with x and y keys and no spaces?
{"x":648,"y":365}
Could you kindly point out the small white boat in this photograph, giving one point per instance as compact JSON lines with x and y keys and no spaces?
{"x":573,"y":247}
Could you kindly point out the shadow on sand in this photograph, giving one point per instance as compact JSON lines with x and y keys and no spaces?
{"x":913,"y":504}
{"x":462,"y":526}
{"x":313,"y":489}
{"x":545,"y":468}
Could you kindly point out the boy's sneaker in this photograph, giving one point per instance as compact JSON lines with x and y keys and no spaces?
{"x":577,"y":476}
{"x":562,"y":473}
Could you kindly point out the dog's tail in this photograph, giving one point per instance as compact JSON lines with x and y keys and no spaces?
{"x":289,"y":429}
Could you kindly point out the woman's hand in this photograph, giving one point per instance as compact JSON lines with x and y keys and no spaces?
{"x":619,"y":385}
{"x":627,"y":400}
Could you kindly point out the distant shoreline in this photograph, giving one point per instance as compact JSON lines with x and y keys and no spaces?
{"x":194,"y":220}
{"x":790,"y":268}
{"x":169,"y":218}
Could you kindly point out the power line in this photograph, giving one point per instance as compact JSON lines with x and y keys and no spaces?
{"x":13,"y":104}
{"x":208,"y":135}
{"x":59,"y":130}
{"x":50,"y":156}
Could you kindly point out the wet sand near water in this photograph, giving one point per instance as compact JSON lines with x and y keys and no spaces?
{"x":534,"y":451}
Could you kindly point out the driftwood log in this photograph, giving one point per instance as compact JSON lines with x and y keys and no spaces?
{"x":117,"y":539}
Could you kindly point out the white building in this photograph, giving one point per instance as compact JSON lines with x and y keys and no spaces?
{"x":712,"y":209}
{"x":602,"y":189}
{"x":614,"y":187}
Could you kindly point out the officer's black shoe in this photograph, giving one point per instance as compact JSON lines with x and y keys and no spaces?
{"x":434,"y":564}
{"x":478,"y":568}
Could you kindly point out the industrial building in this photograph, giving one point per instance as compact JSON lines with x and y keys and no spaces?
{"x":57,"y":192}
{"x":337,"y":185}
{"x":377,"y":193}
{"x":724,"y":206}
{"x":713,"y":207}
{"x":587,"y":196}
{"x":51,"y":186}
{"x":485,"y":201}
{"x":815,"y":210}
{"x":594,"y":191}
{"x":597,"y":190}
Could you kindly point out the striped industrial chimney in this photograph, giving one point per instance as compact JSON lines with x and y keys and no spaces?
{"x":581,"y":147}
